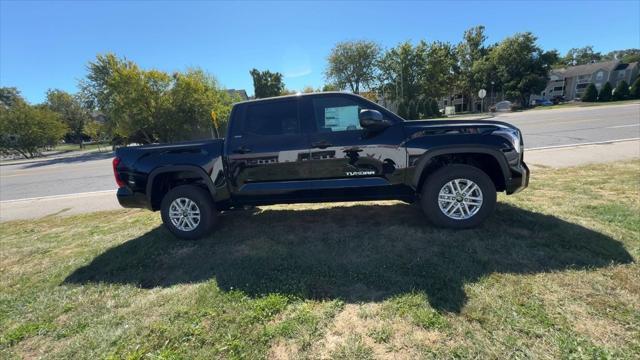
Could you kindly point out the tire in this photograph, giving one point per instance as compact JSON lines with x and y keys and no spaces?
{"x":180,"y":196}
{"x":475,"y":215}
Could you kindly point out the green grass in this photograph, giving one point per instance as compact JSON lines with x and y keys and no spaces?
{"x":553,"y":274}
{"x":76,"y":147}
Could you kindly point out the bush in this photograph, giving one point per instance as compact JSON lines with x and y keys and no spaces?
{"x":605,"y":93}
{"x":635,"y":89}
{"x":591,"y":94}
{"x":622,"y":91}
{"x":27,"y":129}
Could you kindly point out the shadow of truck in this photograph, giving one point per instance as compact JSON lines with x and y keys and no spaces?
{"x":356,"y":253}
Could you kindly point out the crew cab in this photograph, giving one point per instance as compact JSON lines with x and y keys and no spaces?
{"x":325,"y":147}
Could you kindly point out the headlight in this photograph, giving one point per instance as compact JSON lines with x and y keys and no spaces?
{"x":511,"y":134}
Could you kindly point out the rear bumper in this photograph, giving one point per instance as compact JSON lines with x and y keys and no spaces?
{"x":519,"y":178}
{"x":130,"y":199}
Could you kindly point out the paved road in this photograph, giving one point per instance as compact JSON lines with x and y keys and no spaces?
{"x":92,"y":172}
{"x":554,"y":127}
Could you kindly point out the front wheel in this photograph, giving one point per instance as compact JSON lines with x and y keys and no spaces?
{"x":187,"y":211}
{"x":458,"y":196}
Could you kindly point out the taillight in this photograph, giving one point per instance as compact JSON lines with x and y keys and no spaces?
{"x":116,"y":162}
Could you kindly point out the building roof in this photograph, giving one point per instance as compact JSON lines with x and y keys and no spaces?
{"x":242,"y":94}
{"x":586,"y":69}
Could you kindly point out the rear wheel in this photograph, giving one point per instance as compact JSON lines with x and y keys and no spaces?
{"x":187,"y":211}
{"x":458,"y":196}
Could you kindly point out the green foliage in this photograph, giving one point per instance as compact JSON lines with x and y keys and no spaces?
{"x":590,"y":94}
{"x":400,"y":69}
{"x":580,"y":56}
{"x":605,"y":93}
{"x":330,"y":87}
{"x":266,"y":83}
{"x":352,"y":64}
{"x":71,"y":112}
{"x":471,"y":54}
{"x":28,"y":129}
{"x":626,"y":55}
{"x":622,"y":91}
{"x":435,"y":108}
{"x":635,"y":89}
{"x":9,"y":97}
{"x":151,"y":105}
{"x":521,"y":66}
{"x":438,"y":75}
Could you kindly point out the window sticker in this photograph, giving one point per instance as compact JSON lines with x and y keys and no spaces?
{"x":341,"y":118}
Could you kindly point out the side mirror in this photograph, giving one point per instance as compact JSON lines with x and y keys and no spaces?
{"x":372,"y":120}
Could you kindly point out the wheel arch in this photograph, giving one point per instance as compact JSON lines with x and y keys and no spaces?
{"x":164,"y":178}
{"x":490,"y":160}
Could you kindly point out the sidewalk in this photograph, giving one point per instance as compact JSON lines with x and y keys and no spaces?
{"x":559,"y":157}
{"x":63,"y":205}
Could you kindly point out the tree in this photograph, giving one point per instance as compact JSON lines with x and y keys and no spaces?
{"x":471,"y":51}
{"x":635,"y":89}
{"x":435,"y":108}
{"x":580,"y":56}
{"x":188,"y":105}
{"x":590,"y":94}
{"x":521,"y":66}
{"x":71,"y":112}
{"x":400,"y":69}
{"x":626,"y":56}
{"x":151,"y":105}
{"x":605,"y":93}
{"x":27,"y":129}
{"x":266,"y":83}
{"x":330,"y":87}
{"x":622,"y":91}
{"x":9,"y":97}
{"x":440,"y":69}
{"x":352,"y":64}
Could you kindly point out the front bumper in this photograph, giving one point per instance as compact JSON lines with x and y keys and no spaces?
{"x":130,"y":199}
{"x":519,"y":178}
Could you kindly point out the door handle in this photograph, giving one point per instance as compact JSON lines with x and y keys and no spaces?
{"x":323,"y":144}
{"x":242,"y":150}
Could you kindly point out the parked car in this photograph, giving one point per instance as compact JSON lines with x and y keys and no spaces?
{"x":325,"y":147}
{"x":541,"y":102}
{"x":503,"y":106}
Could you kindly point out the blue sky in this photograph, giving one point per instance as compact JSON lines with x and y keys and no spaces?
{"x":48,"y":44}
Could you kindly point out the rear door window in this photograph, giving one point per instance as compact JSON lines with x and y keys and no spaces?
{"x":272,"y":118}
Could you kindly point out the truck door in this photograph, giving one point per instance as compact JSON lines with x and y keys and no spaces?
{"x":267,"y":152}
{"x":344,"y":156}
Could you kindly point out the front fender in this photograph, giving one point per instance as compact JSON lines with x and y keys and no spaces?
{"x":427,"y":157}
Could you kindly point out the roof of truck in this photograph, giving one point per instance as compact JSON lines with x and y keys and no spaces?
{"x":299,"y":94}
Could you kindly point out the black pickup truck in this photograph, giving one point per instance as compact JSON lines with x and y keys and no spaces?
{"x":325,"y":147}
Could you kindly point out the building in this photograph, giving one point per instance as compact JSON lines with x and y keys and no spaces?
{"x":240,"y":94}
{"x":571,"y":82}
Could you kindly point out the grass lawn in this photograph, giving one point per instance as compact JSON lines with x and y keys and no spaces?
{"x":553,"y":274}
{"x":76,"y":147}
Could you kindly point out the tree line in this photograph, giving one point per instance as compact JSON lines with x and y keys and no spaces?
{"x":120,"y":102}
